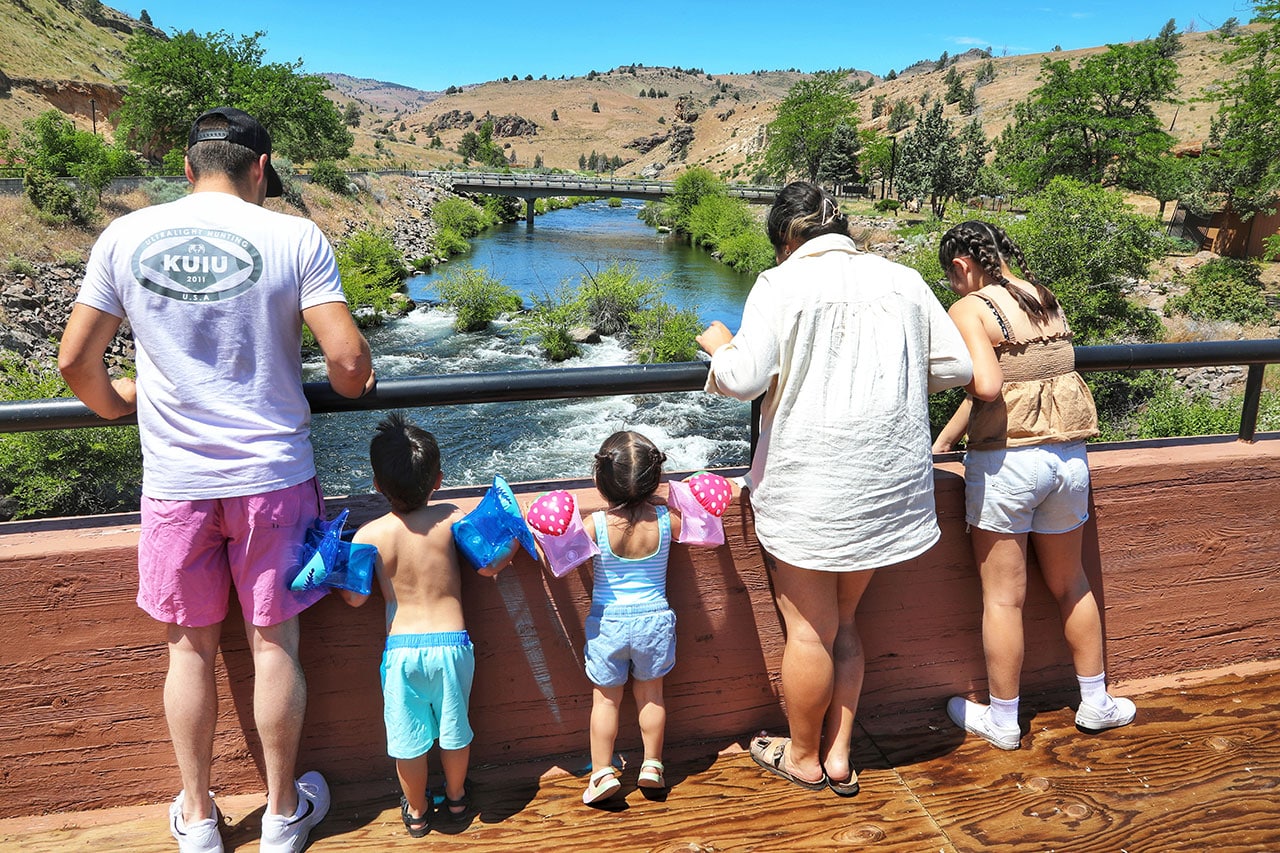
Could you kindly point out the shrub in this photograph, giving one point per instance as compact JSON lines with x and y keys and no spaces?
{"x":56,"y":202}
{"x":887,"y":205}
{"x":665,"y":334}
{"x":372,"y":269}
{"x":1224,"y":289}
{"x":613,"y":298}
{"x":1271,"y":247}
{"x":551,"y":320}
{"x":1082,"y":241}
{"x":160,"y":191}
{"x":460,"y":215}
{"x":691,"y":187}
{"x":715,"y":218}
{"x":19,"y":266}
{"x":476,"y":297}
{"x":449,"y":242}
{"x":1171,"y":413}
{"x":327,"y":174}
{"x":63,"y":472}
{"x":748,"y":252}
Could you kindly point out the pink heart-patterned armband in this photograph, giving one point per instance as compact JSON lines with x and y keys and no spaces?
{"x":701,"y":501}
{"x":557,"y":526}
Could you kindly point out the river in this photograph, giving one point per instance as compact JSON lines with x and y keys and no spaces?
{"x":546,"y":439}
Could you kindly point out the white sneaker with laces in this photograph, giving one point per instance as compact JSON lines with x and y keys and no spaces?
{"x":976,"y":718}
{"x":289,"y":834}
{"x":200,"y":836}
{"x":1093,"y":719}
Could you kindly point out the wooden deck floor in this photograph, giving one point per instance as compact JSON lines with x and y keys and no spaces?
{"x":1199,"y":770}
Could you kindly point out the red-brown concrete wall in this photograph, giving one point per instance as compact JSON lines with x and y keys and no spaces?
{"x":1184,"y":545}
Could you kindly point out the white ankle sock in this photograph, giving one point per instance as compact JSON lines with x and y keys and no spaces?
{"x":1093,"y":691}
{"x":1004,"y":712}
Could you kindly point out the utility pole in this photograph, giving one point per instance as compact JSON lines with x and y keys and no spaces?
{"x":93,"y":110}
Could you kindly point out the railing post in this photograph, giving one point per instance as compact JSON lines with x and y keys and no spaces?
{"x":1252,"y":397}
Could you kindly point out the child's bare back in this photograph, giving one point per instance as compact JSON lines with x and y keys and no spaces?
{"x":418,"y":569}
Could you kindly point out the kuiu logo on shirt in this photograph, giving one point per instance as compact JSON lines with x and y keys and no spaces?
{"x":197,"y":264}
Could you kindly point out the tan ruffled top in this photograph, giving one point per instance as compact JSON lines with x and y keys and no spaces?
{"x":1043,"y":399}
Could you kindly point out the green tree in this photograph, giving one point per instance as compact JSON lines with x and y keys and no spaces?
{"x":805,"y":122}
{"x":351,"y":114}
{"x":840,"y":162}
{"x":1168,"y":43}
{"x":876,"y":156}
{"x":938,"y":164}
{"x":1090,"y":122}
{"x":52,"y":147}
{"x":1165,"y":178}
{"x":172,"y":80}
{"x":692,"y":186}
{"x":1239,"y":166}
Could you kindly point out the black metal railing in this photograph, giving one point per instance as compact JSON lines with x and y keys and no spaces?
{"x":469,"y":388}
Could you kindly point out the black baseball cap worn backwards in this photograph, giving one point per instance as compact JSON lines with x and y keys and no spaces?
{"x":242,"y":129}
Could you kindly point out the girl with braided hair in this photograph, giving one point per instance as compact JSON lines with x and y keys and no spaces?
{"x":1026,"y":415}
{"x":631,"y":629}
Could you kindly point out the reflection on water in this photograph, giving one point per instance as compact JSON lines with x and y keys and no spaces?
{"x":546,"y":439}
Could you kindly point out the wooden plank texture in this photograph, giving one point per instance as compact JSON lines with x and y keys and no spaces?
{"x":1198,"y":770}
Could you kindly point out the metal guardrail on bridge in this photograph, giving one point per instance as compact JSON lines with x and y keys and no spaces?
{"x":565,"y":383}
{"x":555,"y":184}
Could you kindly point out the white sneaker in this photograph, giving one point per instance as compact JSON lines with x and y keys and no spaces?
{"x":201,"y":836}
{"x":1121,"y":713}
{"x":289,"y":834}
{"x":976,"y":718}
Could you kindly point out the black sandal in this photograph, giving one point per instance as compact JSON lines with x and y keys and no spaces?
{"x":416,"y":826}
{"x":463,"y":803}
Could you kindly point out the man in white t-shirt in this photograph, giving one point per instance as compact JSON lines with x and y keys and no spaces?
{"x":216,"y":289}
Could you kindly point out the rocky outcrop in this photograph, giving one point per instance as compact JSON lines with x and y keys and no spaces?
{"x":681,"y":139}
{"x":513,"y":125}
{"x":686,"y":109}
{"x":35,"y":303}
{"x":645,"y":144}
{"x":73,"y":97}
{"x":454,"y":119}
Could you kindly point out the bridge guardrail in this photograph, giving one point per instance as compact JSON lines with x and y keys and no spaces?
{"x":549,"y":384}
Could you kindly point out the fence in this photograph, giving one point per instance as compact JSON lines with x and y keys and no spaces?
{"x":468,"y":388}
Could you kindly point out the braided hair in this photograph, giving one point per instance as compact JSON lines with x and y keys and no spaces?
{"x":991,"y":247}
{"x":802,"y":211}
{"x":628,"y":469}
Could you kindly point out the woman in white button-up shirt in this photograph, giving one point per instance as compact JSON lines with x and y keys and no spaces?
{"x":846,"y":347}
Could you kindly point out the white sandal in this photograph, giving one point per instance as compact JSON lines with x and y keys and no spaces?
{"x":651,"y":774}
{"x":602,"y":785}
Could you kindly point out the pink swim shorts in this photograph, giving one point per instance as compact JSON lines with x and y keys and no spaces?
{"x":190,"y":554}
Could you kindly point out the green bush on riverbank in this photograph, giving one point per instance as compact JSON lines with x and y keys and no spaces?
{"x":63,"y":472}
{"x":701,"y":209}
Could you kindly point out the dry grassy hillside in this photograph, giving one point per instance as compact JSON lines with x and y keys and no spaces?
{"x":729,"y":126}
{"x":55,"y":56}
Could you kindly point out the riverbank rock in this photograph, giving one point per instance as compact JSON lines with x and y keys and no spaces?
{"x":34,"y":306}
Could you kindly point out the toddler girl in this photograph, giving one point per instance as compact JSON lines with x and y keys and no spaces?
{"x":631,"y":630}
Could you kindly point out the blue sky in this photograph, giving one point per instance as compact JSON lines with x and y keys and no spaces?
{"x":433,"y":45}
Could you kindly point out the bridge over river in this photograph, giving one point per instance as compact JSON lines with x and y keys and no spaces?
{"x":532,"y":187}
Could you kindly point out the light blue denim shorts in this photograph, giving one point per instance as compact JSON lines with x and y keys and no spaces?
{"x":1039,"y":489}
{"x":630,"y":640}
{"x":426,"y":686}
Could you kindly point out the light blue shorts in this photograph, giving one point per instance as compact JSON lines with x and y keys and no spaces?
{"x":630,"y":640}
{"x":426,"y":685}
{"x":1039,"y":489}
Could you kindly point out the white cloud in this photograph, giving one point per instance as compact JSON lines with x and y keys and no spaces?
{"x":970,"y":40}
